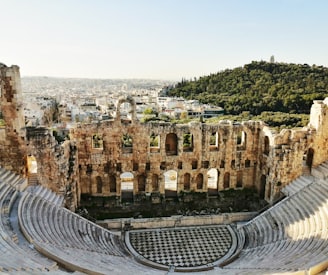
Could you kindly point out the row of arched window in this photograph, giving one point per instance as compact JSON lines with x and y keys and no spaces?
{"x":171,"y":142}
{"x":127,"y":180}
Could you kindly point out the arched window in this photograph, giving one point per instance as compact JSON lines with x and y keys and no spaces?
{"x":239,"y":179}
{"x":266,"y":145}
{"x":171,"y":144}
{"x":309,"y":157}
{"x":262,"y":187}
{"x":154,"y":183}
{"x":186,"y":182}
{"x":112,"y":183}
{"x":99,"y":184}
{"x":226,"y":180}
{"x":200,"y":181}
{"x":141,"y":183}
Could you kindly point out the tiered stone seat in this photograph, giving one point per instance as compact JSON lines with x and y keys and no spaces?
{"x":46,"y":194}
{"x":320,"y":171}
{"x":13,"y":258}
{"x":297,"y":185}
{"x":290,"y":236}
{"x":75,"y":242}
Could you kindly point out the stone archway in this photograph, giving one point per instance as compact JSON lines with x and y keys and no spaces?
{"x":262,"y":187}
{"x":186,"y":182}
{"x":170,"y":183}
{"x":127,"y":179}
{"x":99,"y":184}
{"x":141,"y":183}
{"x":309,"y":158}
{"x":200,"y":181}
{"x":32,"y":165}
{"x":212,"y":181}
{"x":112,"y":184}
{"x":226,"y":180}
{"x":32,"y":170}
{"x":130,"y":111}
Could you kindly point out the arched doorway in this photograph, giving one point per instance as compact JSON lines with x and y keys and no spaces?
{"x":112,"y":184}
{"x":170,"y":183}
{"x":154,"y":183}
{"x":266,"y":145}
{"x":32,"y":170}
{"x":127,"y":185}
{"x":239,"y":183}
{"x":309,"y":158}
{"x":99,"y":185}
{"x":141,"y":183}
{"x":212,"y":181}
{"x":226,"y":180}
{"x":262,"y":187}
{"x":200,"y":181}
{"x":186,"y":182}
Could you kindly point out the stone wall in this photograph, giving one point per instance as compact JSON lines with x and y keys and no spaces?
{"x":177,"y":221}
{"x":56,"y":163}
{"x":126,"y":158}
{"x":12,"y":145}
{"x":233,"y":150}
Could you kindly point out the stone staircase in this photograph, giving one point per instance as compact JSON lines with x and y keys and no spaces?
{"x":33,"y":179}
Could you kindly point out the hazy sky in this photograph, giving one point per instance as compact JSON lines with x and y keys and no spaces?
{"x":163,"y":39}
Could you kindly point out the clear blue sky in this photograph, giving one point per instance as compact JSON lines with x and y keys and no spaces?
{"x":163,"y":39}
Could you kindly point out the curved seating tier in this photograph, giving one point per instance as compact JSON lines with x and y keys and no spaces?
{"x":46,"y":194}
{"x":297,"y":185}
{"x":15,"y":259}
{"x":73,"y":241}
{"x":292,"y":235}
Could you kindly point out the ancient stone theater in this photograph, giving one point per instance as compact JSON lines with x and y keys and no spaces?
{"x":42,"y":182}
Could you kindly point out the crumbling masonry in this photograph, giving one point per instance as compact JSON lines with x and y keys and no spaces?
{"x":129,"y":159}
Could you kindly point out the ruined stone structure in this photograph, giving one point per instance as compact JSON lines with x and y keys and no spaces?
{"x":129,"y":159}
{"x":55,"y":164}
{"x":12,"y":146}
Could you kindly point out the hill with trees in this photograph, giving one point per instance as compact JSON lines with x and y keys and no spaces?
{"x":259,"y":87}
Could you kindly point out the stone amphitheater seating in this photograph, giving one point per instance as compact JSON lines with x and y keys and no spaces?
{"x":71,"y":240}
{"x":291,"y":236}
{"x":14,"y":259}
{"x":297,"y":185}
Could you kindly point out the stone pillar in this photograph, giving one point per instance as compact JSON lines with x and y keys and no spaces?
{"x":12,"y":133}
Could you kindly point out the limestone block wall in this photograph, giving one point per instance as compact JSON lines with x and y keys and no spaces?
{"x":234,"y":156}
{"x":319,"y":126}
{"x":286,"y":159}
{"x":57,"y":164}
{"x":12,"y":147}
{"x":120,"y":156}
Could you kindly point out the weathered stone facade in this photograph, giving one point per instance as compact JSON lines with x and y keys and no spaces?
{"x":126,"y":158}
{"x":12,"y":145}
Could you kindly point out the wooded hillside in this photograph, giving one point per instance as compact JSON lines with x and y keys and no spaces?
{"x":259,"y":86}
